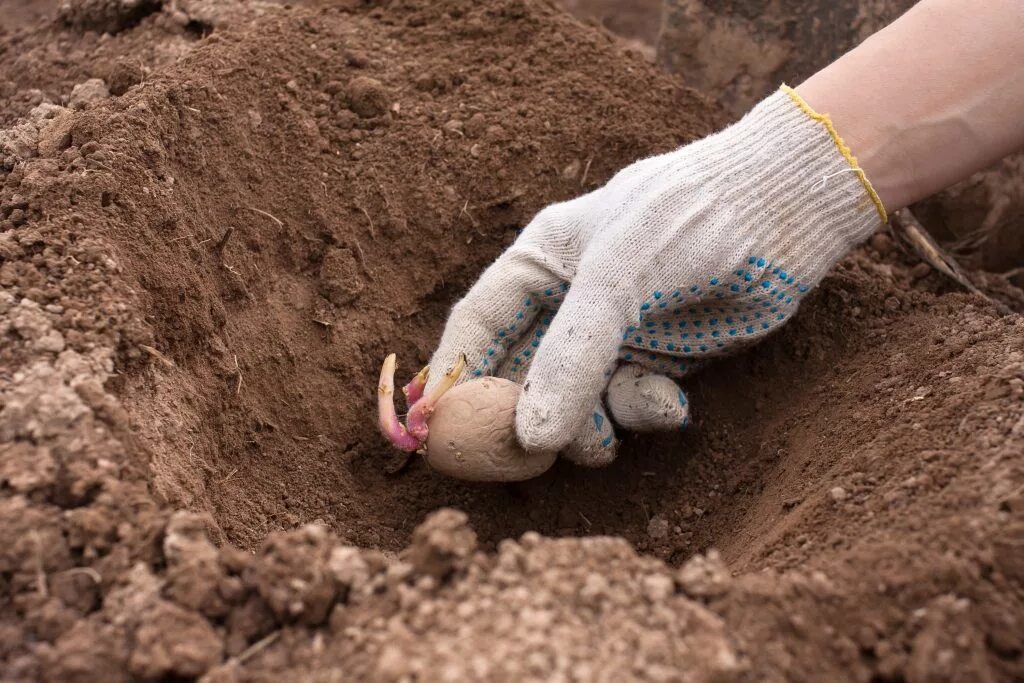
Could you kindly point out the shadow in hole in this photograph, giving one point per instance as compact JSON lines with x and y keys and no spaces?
{"x":723,"y":483}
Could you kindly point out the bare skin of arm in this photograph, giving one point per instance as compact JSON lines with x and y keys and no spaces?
{"x":932,"y":98}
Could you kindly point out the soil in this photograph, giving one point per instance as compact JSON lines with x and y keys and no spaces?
{"x":206,"y":254}
{"x":637,"y":23}
{"x":20,"y":14}
{"x":743,"y":49}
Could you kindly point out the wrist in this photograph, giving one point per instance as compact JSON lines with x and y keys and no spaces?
{"x":867,"y":135}
{"x":794,"y":190}
{"x":820,"y":125}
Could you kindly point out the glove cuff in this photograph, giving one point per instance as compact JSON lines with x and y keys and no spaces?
{"x":826,"y":121}
{"x":787,"y":192}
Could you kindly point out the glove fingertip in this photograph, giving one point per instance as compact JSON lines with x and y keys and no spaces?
{"x":538,"y":428}
{"x":596,"y":446}
{"x":647,"y":402}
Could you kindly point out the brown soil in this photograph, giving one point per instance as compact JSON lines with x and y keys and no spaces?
{"x":743,"y":49}
{"x":20,"y":14}
{"x":636,"y":22}
{"x":204,"y":260}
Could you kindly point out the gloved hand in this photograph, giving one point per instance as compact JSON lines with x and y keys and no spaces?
{"x":680,"y":258}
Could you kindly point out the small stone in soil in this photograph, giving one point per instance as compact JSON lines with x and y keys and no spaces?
{"x":657,"y":528}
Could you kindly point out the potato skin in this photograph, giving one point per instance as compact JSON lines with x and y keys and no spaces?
{"x":473,"y":434}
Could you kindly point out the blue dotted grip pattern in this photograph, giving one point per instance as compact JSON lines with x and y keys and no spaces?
{"x":675,"y":328}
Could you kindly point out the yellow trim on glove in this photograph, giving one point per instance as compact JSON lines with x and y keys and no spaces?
{"x":843,"y":149}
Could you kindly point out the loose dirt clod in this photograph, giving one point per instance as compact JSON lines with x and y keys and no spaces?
{"x":367,"y":97}
{"x":88,"y":93}
{"x":156,"y":523}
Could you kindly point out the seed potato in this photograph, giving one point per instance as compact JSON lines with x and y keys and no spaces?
{"x":473,"y":436}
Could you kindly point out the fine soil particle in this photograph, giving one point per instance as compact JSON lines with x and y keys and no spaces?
{"x":204,"y":267}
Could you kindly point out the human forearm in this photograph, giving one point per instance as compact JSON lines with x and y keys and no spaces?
{"x":932,"y":98}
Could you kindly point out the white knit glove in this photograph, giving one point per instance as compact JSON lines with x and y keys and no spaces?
{"x":680,"y":258}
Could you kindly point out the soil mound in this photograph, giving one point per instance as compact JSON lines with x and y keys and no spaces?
{"x":243,"y":207}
